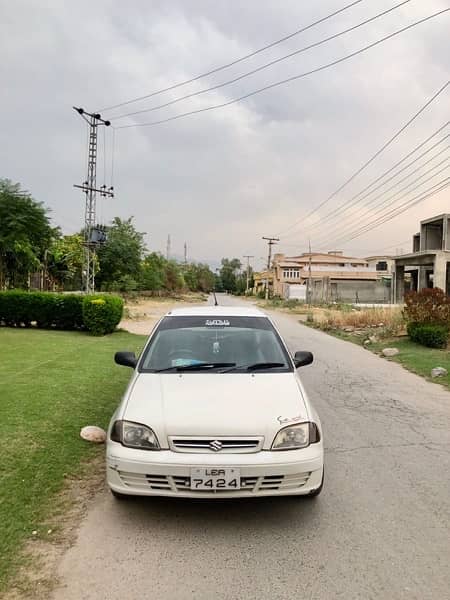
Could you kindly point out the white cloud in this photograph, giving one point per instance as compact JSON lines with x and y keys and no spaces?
{"x":222,"y":179}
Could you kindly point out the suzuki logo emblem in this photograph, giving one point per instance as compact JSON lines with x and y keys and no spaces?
{"x":216,"y":445}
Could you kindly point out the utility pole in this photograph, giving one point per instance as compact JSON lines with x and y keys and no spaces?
{"x":185,"y":253}
{"x":248,"y":257}
{"x":309,"y":290}
{"x":168,"y":247}
{"x":270,"y":241}
{"x":92,"y":235}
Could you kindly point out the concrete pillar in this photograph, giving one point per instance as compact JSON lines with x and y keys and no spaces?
{"x":399,"y":283}
{"x":423,"y":280}
{"x":440,"y":272}
{"x":326,"y":289}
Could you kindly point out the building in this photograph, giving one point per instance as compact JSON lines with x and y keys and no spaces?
{"x":333,"y":276}
{"x":260,"y":280}
{"x":429,"y":262}
{"x":383,"y":264}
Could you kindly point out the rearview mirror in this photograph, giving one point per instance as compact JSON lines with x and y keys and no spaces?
{"x":302,"y":358}
{"x":126,"y":359}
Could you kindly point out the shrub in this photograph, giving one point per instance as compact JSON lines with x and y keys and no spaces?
{"x":68,"y":311}
{"x":432,"y":335}
{"x":102,"y":313}
{"x":13,"y":309}
{"x":61,"y":311}
{"x":429,"y":305}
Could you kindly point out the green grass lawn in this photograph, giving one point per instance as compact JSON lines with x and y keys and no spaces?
{"x":417,"y":358}
{"x":52,"y":383}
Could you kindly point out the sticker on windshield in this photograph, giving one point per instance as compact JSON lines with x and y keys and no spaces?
{"x":185,"y":362}
{"x":217,"y":323}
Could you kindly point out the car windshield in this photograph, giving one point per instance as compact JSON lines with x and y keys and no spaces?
{"x":209,"y":344}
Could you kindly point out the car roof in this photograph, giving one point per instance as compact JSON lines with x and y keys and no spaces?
{"x":216,"y":311}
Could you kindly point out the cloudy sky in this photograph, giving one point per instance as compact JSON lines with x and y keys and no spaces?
{"x":221,"y":179}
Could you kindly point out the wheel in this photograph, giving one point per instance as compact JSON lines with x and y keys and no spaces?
{"x":119,"y":496}
{"x":317,"y":491}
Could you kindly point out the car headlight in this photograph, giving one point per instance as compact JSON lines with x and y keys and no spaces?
{"x":134,"y":435}
{"x":296,"y":436}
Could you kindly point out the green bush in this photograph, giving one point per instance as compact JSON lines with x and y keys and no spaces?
{"x":102,"y":313}
{"x":13,"y":309}
{"x":47,"y":310}
{"x":68,"y":311}
{"x":432,"y":335}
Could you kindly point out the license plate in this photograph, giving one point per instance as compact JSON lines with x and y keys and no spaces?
{"x":215,"y":479}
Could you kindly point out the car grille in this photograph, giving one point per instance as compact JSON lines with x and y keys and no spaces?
{"x":240,"y":445}
{"x":179,"y":483}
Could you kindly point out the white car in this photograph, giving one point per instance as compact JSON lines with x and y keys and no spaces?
{"x":215,"y":409}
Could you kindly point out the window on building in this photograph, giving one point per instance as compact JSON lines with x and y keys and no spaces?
{"x":291,"y":273}
{"x":381,"y":265}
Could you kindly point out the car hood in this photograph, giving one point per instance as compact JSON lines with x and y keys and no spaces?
{"x":203,"y":404}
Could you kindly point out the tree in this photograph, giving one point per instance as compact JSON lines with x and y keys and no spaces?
{"x":121,"y":256}
{"x":65,"y":261}
{"x":198,"y":277}
{"x":153,"y":272}
{"x":174,"y":279}
{"x":25,"y":234}
{"x":228,"y":273}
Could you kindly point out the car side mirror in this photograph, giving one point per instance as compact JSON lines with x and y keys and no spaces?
{"x":126,"y":359}
{"x":302,"y":358}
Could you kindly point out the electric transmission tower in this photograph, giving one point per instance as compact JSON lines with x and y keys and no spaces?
{"x":93,"y":235}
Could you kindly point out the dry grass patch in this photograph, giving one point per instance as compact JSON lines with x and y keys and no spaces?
{"x":390,"y":319}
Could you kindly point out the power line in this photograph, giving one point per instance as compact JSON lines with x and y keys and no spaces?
{"x":444,"y":183}
{"x":264,"y":66}
{"x":289,"y":79}
{"x":373,"y":157}
{"x":389,"y":201}
{"x":113,"y":151}
{"x":374,"y":251}
{"x":237,"y":61}
{"x":361,"y":195}
{"x":382,"y":194}
{"x":441,"y":185}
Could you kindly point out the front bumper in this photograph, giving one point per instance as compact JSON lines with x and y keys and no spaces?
{"x":167,"y":473}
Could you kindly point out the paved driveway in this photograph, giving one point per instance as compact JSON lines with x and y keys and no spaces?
{"x":379,"y":530}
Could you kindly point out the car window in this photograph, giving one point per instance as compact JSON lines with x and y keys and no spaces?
{"x":240,"y":341}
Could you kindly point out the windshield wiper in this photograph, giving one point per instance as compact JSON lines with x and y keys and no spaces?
{"x":255,"y":366}
{"x":195,"y":366}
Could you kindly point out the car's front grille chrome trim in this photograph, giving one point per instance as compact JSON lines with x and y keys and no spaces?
{"x":180,"y":483}
{"x":211,"y":444}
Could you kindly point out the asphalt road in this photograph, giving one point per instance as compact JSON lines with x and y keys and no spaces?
{"x":379,"y":530}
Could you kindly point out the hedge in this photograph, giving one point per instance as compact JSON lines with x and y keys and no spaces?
{"x":101,"y":313}
{"x":60,"y":311}
{"x":432,"y":335}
